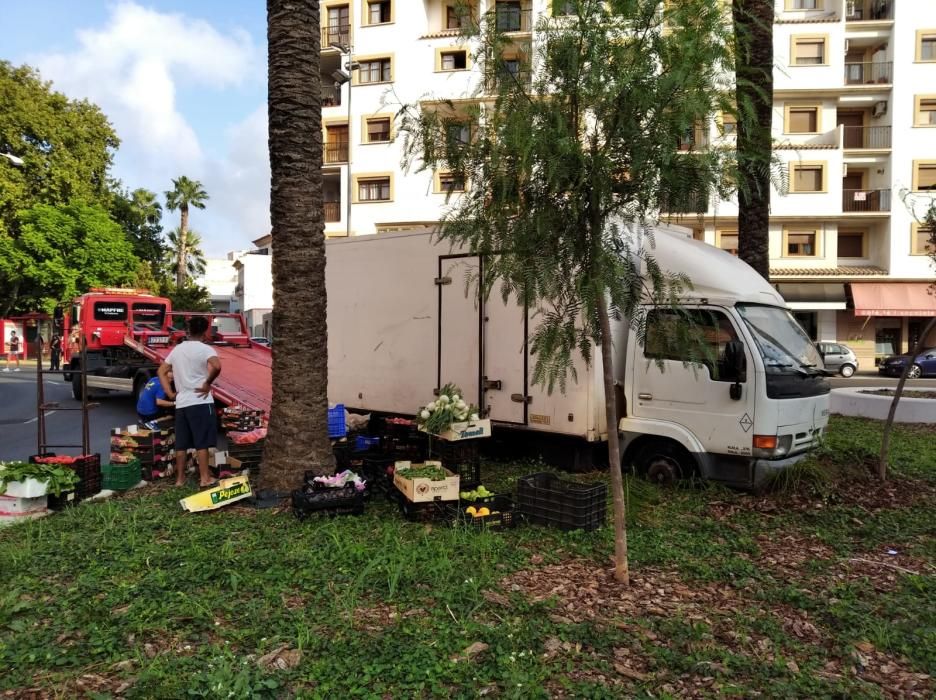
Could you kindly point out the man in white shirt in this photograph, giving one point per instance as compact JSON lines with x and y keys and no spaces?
{"x":194,"y":365}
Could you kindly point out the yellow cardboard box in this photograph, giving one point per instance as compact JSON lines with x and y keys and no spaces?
{"x":466,"y":431}
{"x":227,"y":491}
{"x":421,"y":490}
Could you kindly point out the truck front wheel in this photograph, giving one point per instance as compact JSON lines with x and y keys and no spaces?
{"x":663,"y":462}
{"x":76,"y":387}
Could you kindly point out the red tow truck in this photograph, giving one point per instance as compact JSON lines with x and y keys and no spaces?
{"x":128,"y":332}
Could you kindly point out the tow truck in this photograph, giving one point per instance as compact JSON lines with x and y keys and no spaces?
{"x":127,"y":333}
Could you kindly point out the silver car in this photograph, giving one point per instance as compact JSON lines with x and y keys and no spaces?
{"x":838,"y":358}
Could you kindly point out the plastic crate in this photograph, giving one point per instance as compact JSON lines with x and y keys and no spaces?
{"x":336,"y":422}
{"x":548,"y":500}
{"x":366,"y":443}
{"x":328,"y":501}
{"x":425,"y":512}
{"x":502,"y":512}
{"x":120,"y":477}
{"x":88,"y":469}
{"x":64,"y":500}
{"x":463,"y":457}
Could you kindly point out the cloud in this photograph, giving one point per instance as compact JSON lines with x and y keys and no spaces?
{"x":134,"y":67}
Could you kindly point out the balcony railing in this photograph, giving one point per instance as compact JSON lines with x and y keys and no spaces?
{"x":507,"y":79}
{"x":870,"y":137}
{"x":331,"y":95}
{"x":866,"y":200}
{"x":332,"y":212}
{"x":861,"y":11}
{"x":688,"y":203}
{"x":513,"y":19}
{"x":335,"y":152}
{"x":869,"y":73}
{"x":339,"y":34}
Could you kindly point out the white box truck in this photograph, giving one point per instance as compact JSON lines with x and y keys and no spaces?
{"x":403,"y":322}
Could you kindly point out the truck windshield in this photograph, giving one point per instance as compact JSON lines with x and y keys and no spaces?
{"x":782,"y":341}
{"x":227,"y":325}
{"x":149,"y":314}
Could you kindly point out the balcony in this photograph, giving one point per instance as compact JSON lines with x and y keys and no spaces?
{"x":507,"y":79}
{"x":872,"y":138}
{"x":332,"y":212}
{"x":339,"y":34}
{"x":869,"y":11}
{"x":694,"y":139}
{"x":865,"y":201}
{"x":335,"y":152}
{"x":511,"y":18}
{"x":331,"y":95}
{"x":868,"y":73}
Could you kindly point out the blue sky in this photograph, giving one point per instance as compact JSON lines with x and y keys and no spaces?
{"x":183,"y":83}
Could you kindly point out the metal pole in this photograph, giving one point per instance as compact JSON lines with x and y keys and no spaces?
{"x":350,"y":83}
{"x":40,"y":400}
{"x":85,"y":427}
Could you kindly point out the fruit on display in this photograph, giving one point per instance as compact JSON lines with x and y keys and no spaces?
{"x":474,"y":495}
{"x":431,"y":473}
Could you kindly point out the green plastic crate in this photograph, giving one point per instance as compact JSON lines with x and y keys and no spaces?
{"x":120,"y":477}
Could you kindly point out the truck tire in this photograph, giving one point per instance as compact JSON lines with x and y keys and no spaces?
{"x":76,"y":387}
{"x":663,"y":462}
{"x":66,"y":375}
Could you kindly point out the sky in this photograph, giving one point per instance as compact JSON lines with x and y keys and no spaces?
{"x":184,"y":84}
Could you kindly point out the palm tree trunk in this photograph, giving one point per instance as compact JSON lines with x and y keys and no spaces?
{"x":898,"y":392}
{"x":182,"y":253}
{"x":753,"y":24}
{"x":298,"y":435}
{"x":621,"y":570}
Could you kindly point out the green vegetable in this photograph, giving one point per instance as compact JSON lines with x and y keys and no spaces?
{"x":56,"y":477}
{"x":431,"y":473}
{"x":480,"y":492}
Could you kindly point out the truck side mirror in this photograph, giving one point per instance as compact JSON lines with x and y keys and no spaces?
{"x":736,"y":364}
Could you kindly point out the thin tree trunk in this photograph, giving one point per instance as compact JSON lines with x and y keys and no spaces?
{"x":10,"y":301}
{"x":889,"y":423}
{"x":298,"y":431}
{"x":621,"y":570}
{"x":181,"y":253}
{"x":753,"y":24}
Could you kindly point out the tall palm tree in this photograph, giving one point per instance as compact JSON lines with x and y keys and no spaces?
{"x":146,"y":206}
{"x":186,"y":246}
{"x":298,"y":436}
{"x":753,"y":26}
{"x":185,"y":193}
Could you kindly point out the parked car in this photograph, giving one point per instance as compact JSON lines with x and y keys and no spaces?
{"x":838,"y":358}
{"x":259,"y":340}
{"x":924,"y":365}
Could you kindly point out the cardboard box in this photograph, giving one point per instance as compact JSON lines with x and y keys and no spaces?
{"x":227,"y":491}
{"x":421,"y":490}
{"x":466,"y":431}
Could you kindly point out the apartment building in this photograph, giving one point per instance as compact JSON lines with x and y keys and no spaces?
{"x":854,"y":127}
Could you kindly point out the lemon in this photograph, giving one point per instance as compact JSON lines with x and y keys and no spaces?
{"x":483,"y":511}
{"x":470,"y":510}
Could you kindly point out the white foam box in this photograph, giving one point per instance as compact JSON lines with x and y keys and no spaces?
{"x":30,"y":488}
{"x":12,"y":505}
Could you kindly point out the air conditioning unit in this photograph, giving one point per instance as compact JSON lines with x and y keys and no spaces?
{"x":880,"y":108}
{"x":844,"y":169}
{"x":847,"y":45}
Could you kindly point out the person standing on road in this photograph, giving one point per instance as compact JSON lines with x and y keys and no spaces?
{"x":55,"y":353}
{"x":195,"y":365}
{"x":12,"y":352}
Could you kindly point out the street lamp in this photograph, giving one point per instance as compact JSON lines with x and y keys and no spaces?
{"x":341,"y":77}
{"x":15,"y":160}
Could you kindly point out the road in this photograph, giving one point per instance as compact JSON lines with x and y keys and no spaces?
{"x":873,"y":379}
{"x":18,"y":423}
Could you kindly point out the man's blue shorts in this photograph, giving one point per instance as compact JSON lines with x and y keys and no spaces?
{"x":196,"y":427}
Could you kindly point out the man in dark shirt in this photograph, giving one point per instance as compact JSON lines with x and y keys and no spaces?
{"x":13,"y":347}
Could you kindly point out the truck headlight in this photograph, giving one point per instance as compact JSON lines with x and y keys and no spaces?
{"x":771,"y":446}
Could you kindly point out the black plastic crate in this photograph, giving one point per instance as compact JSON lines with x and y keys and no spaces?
{"x":328,"y":501}
{"x":462,"y":457}
{"x":502,"y":512}
{"x":88,"y":469}
{"x":374,"y":471}
{"x":546,"y":499}
{"x":64,"y":500}
{"x":426,"y":511}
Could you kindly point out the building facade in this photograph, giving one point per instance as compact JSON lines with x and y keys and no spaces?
{"x":253,"y":292}
{"x":854,"y":127}
{"x":220,"y":279}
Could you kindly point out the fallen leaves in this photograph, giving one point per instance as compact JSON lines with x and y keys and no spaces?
{"x":471,"y":652}
{"x":280,"y":659}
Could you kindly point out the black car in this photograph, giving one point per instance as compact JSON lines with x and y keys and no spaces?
{"x":923,"y":365}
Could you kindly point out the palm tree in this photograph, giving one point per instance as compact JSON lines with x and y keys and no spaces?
{"x":753,"y":26}
{"x":146,"y":206}
{"x":185,"y":247}
{"x":298,"y":435}
{"x":185,"y":193}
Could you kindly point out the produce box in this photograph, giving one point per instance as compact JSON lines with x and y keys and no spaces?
{"x":120,"y":477}
{"x":13,"y":505}
{"x":227,"y":491}
{"x":466,"y":431}
{"x":494,"y":512}
{"x":420,"y":489}
{"x":87,"y":467}
{"x":29,"y":488}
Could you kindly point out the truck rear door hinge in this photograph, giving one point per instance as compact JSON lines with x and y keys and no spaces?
{"x":493,"y":384}
{"x":521,"y":398}
{"x":440,"y":281}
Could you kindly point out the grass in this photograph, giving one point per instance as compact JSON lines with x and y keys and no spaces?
{"x":792,"y":594}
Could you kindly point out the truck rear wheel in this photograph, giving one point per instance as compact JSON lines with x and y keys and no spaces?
{"x":66,"y":375}
{"x":663,"y":462}
{"x":76,"y":387}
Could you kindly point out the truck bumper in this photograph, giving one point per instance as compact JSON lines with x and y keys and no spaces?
{"x":762,"y":470}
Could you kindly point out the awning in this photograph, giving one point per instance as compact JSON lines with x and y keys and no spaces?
{"x":813,"y":297}
{"x":893,"y":299}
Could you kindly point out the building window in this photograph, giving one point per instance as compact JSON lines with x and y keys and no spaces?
{"x":336,"y":143}
{"x":728,"y":241}
{"x":729,"y":123}
{"x":339,"y":25}
{"x":851,"y":244}
{"x":374,"y":189}
{"x":379,"y":12}
{"x":924,"y":110}
{"x":698,"y":234}
{"x":377,"y":129}
{"x":450,"y":182}
{"x":809,"y":51}
{"x":457,"y":17}
{"x":800,"y":243}
{"x":803,"y":4}
{"x":802,"y":119}
{"x":807,"y":177}
{"x":924,"y":175}
{"x":453,"y":60}
{"x":458,"y":133}
{"x":376,"y":71}
{"x":563,"y":8}
{"x":922,"y":240}
{"x":926,"y":45}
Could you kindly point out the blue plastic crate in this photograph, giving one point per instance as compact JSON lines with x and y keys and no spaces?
{"x":336,"y":422}
{"x":363,"y":443}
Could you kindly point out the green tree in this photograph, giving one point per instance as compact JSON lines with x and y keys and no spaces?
{"x":62,"y":250}
{"x":753,"y":30}
{"x":185,"y":193}
{"x":191,"y":297}
{"x":298,"y":437}
{"x":140,"y":214}
{"x":568,"y":164}
{"x":67,"y":147}
{"x":185,"y":248}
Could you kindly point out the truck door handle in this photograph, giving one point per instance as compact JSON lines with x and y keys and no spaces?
{"x":645,"y":397}
{"x":520,"y":398}
{"x":493,"y":384}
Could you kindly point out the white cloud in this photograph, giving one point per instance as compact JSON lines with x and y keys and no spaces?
{"x":133,"y":67}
